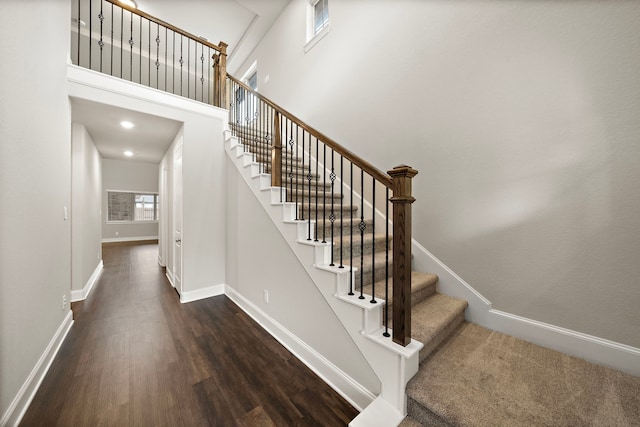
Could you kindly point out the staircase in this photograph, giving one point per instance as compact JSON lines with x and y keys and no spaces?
{"x":435,"y":315}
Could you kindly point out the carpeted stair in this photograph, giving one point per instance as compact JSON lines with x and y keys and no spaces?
{"x":469,"y":375}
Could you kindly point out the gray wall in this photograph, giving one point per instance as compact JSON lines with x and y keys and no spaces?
{"x":522,"y":118}
{"x":35,"y":186}
{"x":86,"y":206}
{"x":127,"y":175}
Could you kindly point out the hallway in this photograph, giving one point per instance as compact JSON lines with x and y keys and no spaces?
{"x":136,"y":356}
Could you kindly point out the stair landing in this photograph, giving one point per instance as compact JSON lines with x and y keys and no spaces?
{"x":481,"y":378}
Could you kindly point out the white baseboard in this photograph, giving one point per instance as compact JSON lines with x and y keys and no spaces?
{"x":21,"y":402}
{"x":128,"y":239}
{"x":211,"y":291}
{"x":169,"y":275}
{"x":82,"y":294}
{"x":596,"y":350}
{"x":593,"y":349}
{"x":342,"y":383}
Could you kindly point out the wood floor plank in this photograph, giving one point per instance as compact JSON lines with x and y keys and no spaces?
{"x":136,"y":356}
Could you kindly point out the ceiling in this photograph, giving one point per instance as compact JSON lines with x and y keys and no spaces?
{"x":239,"y":23}
{"x":149,"y":139}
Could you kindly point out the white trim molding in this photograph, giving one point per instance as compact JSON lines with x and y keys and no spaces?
{"x":128,"y":239}
{"x":593,"y":349}
{"x":82,"y":294}
{"x":22,"y":400}
{"x":343,"y":384}
{"x":202,"y":293}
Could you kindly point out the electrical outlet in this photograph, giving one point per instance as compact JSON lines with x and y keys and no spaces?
{"x":64,"y":302}
{"x":265,"y":296}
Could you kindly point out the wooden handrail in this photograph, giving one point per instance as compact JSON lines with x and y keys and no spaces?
{"x":354,"y":158}
{"x":167,"y":25}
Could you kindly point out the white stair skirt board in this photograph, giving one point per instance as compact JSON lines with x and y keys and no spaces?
{"x":202,"y":293}
{"x":393,"y":364}
{"x":82,"y":294}
{"x":128,"y":239}
{"x":22,"y":400}
{"x":593,"y":349}
{"x":347,"y":387}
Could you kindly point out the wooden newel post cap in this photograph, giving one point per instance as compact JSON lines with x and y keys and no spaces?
{"x":223,"y":47}
{"x":401,"y":177}
{"x":402,"y":171}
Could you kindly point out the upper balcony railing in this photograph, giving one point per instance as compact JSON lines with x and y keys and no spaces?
{"x":116,"y":39}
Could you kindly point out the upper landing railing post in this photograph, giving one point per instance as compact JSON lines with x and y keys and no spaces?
{"x":402,"y":199}
{"x":276,"y":153}
{"x":220,"y":77}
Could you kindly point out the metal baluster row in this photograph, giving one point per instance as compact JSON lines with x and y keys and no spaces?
{"x":116,"y":41}
{"x":338,"y":201}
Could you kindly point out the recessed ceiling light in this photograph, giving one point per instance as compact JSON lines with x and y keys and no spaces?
{"x":129,"y":3}
{"x":128,"y":153}
{"x":127,"y":125}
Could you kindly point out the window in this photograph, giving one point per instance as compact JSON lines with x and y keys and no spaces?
{"x":252,"y":81}
{"x":320,"y":15}
{"x":127,"y":206}
{"x":318,"y":24}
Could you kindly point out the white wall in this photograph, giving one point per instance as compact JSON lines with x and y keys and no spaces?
{"x":522,"y":118}
{"x":203,"y":164}
{"x":127,"y":175}
{"x":203,"y":213}
{"x":258,"y":260}
{"x":35,"y":186}
{"x":86,"y":207}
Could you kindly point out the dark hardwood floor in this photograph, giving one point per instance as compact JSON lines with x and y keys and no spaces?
{"x":137,"y":357}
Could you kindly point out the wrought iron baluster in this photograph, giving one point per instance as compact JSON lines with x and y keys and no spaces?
{"x":79,"y":20}
{"x":302,"y":176}
{"x":309,"y":177}
{"x":111,"y":69}
{"x":173,"y":64}
{"x":373,"y":235}
{"x":90,"y":30}
{"x":386,"y":268}
{"x":101,"y":42}
{"x":292,"y":172}
{"x":317,"y":179}
{"x":351,"y":229}
{"x":181,"y":63}
{"x":332,"y":215}
{"x":362,"y":226}
{"x":157,"y":56}
{"x":121,"y":42}
{"x":131,"y":43}
{"x":202,"y":73}
{"x":140,"y":54}
{"x":324,"y":193}
{"x":341,"y":210}
{"x":295,"y":154}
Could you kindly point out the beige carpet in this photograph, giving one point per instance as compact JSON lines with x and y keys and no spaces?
{"x":484,"y":378}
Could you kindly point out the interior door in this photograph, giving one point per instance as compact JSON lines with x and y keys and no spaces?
{"x":177,"y":217}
